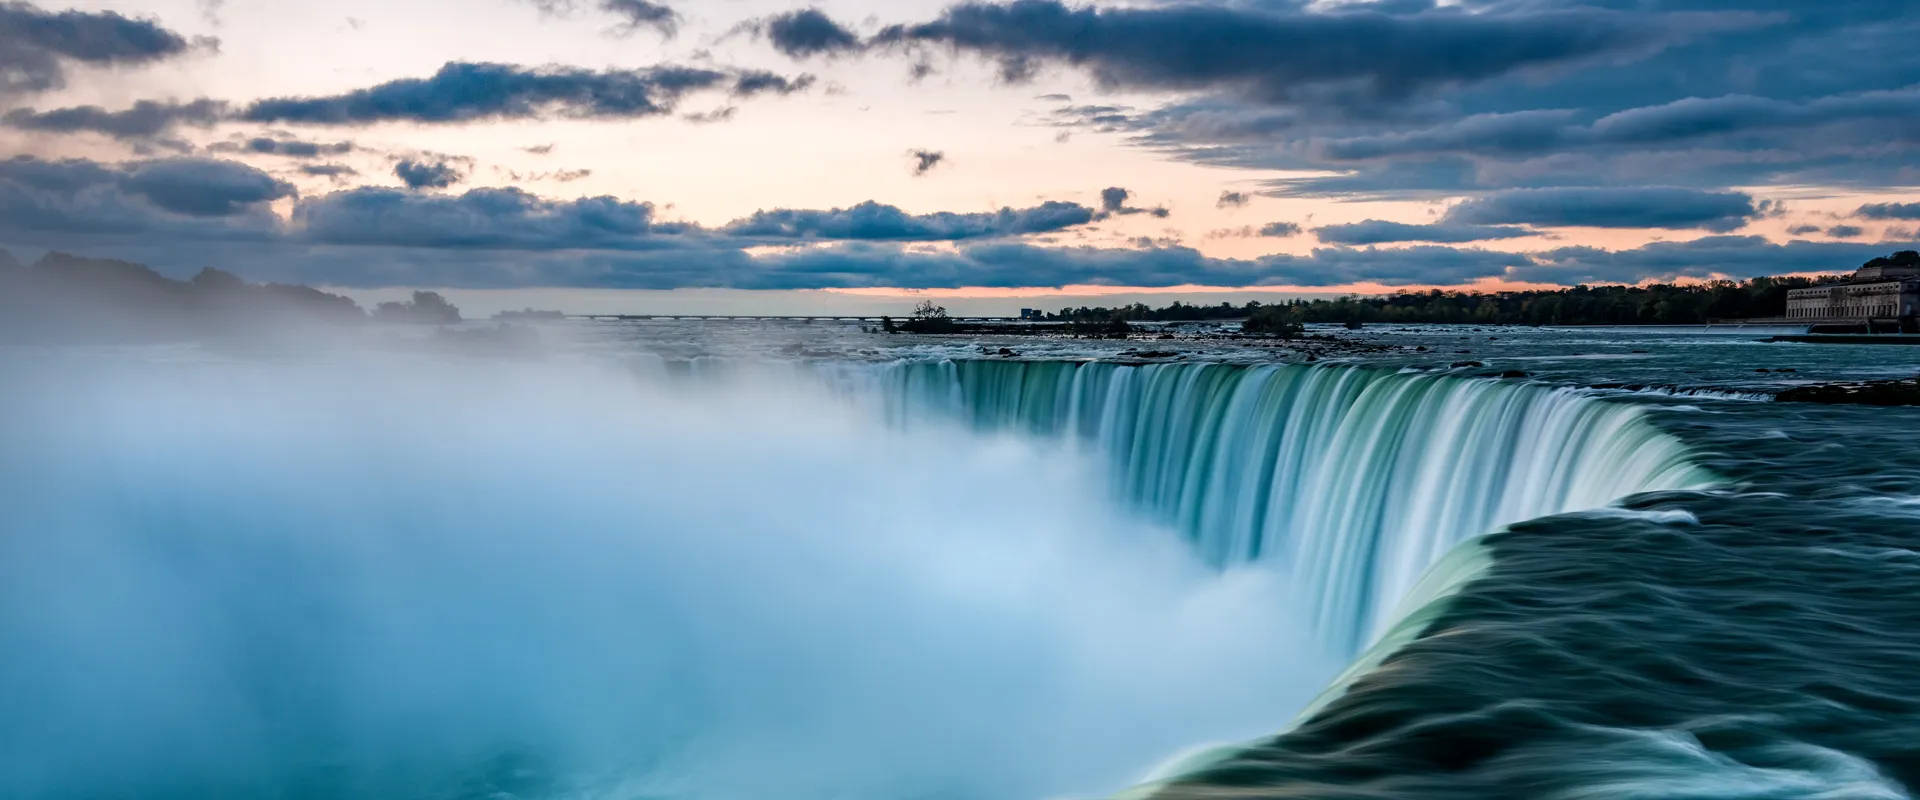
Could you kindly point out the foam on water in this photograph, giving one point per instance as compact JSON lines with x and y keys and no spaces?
{"x":1357,"y":479}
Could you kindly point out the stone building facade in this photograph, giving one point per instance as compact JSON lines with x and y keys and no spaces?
{"x":1874,"y":293}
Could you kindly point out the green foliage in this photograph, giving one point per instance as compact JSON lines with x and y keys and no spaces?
{"x":1903,"y":258}
{"x":427,"y":308}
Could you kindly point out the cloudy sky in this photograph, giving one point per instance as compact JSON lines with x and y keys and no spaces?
{"x":603,"y":153}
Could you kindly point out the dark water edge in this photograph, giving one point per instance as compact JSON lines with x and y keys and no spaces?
{"x":1757,"y":642}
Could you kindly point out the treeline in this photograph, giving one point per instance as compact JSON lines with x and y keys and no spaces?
{"x":1657,"y":304}
{"x":65,"y":297}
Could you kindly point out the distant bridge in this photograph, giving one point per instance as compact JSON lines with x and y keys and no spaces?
{"x":802,"y":317}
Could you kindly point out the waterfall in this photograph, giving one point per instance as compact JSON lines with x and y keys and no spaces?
{"x":1356,"y":479}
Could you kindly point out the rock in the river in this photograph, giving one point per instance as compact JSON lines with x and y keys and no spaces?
{"x":1869,"y":393}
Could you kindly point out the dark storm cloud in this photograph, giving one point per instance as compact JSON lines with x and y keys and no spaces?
{"x":67,"y":176}
{"x":194,"y":212}
{"x":166,"y":213}
{"x":1669,"y":124}
{"x":428,"y":174}
{"x":752,"y":82}
{"x":162,"y":203}
{"x":718,"y":115}
{"x":203,"y":187}
{"x":343,"y":259}
{"x":637,"y":14}
{"x":634,"y":14}
{"x":926,"y":160}
{"x":1231,"y":199}
{"x":1889,"y":211}
{"x":1375,"y":231}
{"x":808,"y":32}
{"x":36,"y":44}
{"x":874,"y":221}
{"x":1736,"y":256}
{"x":1113,"y":202}
{"x":1608,"y":207}
{"x":143,"y":120}
{"x":1695,"y":118}
{"x":1793,"y":92}
{"x":554,"y":8}
{"x":557,"y":176}
{"x":513,"y":218}
{"x":328,"y":170}
{"x":855,"y":265}
{"x":169,"y":199}
{"x":485,"y":218}
{"x":462,"y":92}
{"x":283,"y":146}
{"x":1419,"y":153}
{"x":1282,"y":52}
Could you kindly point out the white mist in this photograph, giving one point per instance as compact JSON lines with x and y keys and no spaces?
{"x":402,"y":577}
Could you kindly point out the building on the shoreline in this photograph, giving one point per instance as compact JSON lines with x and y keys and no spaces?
{"x":1884,"y":293}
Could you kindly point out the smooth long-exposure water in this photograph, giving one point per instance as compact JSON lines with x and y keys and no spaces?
{"x":723,"y":560}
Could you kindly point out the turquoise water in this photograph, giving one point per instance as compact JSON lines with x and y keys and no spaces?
{"x":1354,"y":479}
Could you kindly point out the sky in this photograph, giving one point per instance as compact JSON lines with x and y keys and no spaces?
{"x":750,"y":156}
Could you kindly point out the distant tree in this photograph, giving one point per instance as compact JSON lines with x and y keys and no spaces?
{"x":1902,"y":258}
{"x":213,"y":280}
{"x":929,"y":318}
{"x":1281,"y":321}
{"x":426,"y":308}
{"x":64,"y":297}
{"x":1580,"y":305}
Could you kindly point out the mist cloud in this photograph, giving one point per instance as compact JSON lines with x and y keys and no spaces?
{"x":558,"y":581}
